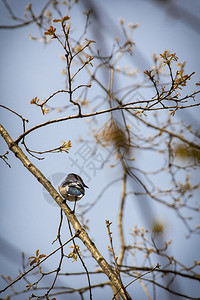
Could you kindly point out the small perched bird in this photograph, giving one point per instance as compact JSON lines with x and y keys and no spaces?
{"x":72,"y":188}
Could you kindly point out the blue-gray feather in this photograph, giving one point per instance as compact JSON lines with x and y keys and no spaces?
{"x":73,"y":188}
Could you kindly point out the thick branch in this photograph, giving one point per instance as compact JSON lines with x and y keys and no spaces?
{"x":71,"y":217}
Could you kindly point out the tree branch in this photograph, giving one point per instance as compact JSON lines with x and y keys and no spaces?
{"x":80,"y":232}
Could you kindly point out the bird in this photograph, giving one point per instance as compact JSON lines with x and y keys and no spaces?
{"x":73,"y":187}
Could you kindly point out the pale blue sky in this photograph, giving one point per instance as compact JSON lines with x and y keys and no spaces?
{"x":29,"y":69}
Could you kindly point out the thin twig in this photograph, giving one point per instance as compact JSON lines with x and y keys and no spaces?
{"x":39,"y":263}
